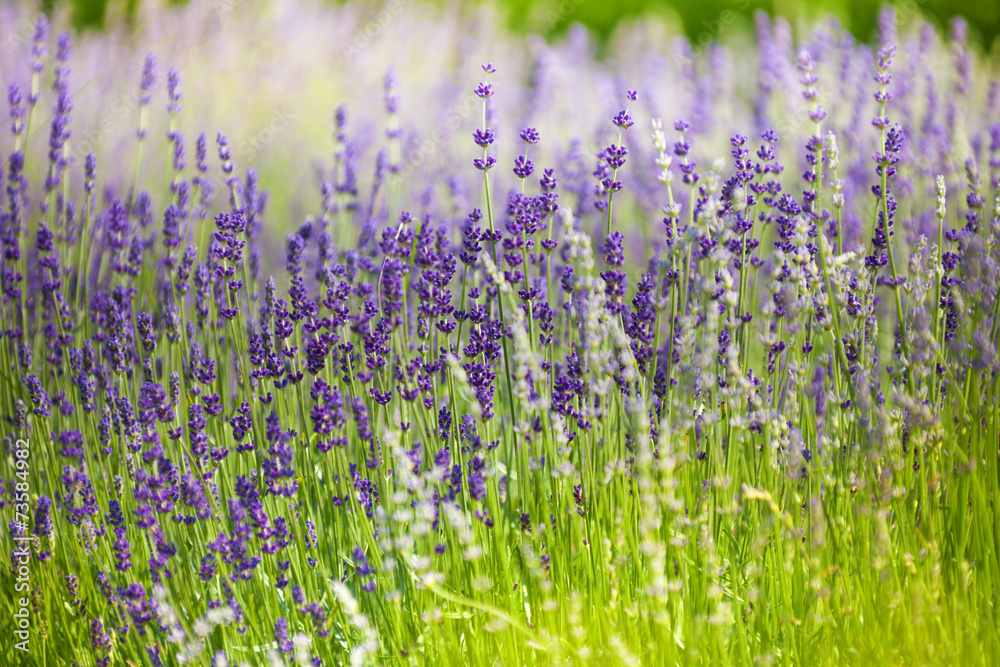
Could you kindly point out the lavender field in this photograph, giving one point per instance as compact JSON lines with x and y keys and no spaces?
{"x":339,"y":336}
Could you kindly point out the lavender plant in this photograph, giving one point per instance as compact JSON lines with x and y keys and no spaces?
{"x":658,"y":403}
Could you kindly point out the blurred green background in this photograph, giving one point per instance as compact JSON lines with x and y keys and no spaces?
{"x":699,"y":18}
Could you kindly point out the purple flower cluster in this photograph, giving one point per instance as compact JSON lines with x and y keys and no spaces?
{"x":228,"y":428}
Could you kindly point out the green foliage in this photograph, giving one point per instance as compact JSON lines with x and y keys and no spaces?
{"x":698,"y":19}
